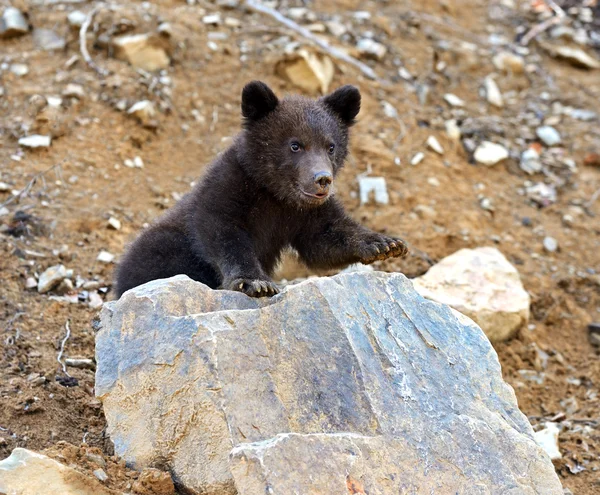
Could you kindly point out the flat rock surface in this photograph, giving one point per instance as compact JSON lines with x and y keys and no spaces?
{"x":353,"y":382}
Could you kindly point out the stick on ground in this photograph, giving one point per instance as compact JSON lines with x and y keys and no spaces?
{"x":336,"y":53}
{"x":83,"y":41}
{"x":548,"y":23}
{"x":62,"y":348}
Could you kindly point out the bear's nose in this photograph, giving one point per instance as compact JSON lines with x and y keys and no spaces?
{"x":323,"y":179}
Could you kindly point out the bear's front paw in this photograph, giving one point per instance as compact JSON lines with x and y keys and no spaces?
{"x":252,"y":287}
{"x":380,"y":247}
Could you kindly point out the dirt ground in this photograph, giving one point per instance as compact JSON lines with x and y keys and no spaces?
{"x":551,"y":364}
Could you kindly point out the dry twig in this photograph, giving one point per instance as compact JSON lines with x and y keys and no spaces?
{"x":83,"y":41}
{"x":336,"y":53}
{"x":62,"y":349}
{"x":31,"y":183}
{"x":548,"y":23}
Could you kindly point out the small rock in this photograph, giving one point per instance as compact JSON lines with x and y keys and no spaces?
{"x":65,"y":287}
{"x":417,"y":158}
{"x":145,"y":112}
{"x":452,"y":130}
{"x":547,"y":439}
{"x":48,"y":40}
{"x":138,"y":162}
{"x":371,"y":49}
{"x":19,"y":69}
{"x":74,"y":91}
{"x":509,"y":62}
{"x":594,"y":334}
{"x":549,"y":135}
{"x":337,"y":29}
{"x":550,"y":244}
{"x":493,"y":95}
{"x":530,"y":162}
{"x":453,"y":100}
{"x":31,"y":283}
{"x":389,"y":110}
{"x":35,"y":141}
{"x":576,"y":56}
{"x":433,"y":181}
{"x":101,"y":475}
{"x":4,"y":187}
{"x":580,"y":114}
{"x":435,"y":145}
{"x":76,"y":19}
{"x":488,"y":153}
{"x":377,"y":185}
{"x":232,"y":22}
{"x":85,"y":364}
{"x":13,"y":23}
{"x":105,"y":257}
{"x":542,"y":194}
{"x":94,"y":300}
{"x":212,"y":19}
{"x":143,"y":51}
{"x":307,"y":69}
{"x":51,"y":278}
{"x":114,"y":223}
{"x":425,"y":212}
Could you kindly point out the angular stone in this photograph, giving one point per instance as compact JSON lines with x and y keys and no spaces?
{"x":549,"y":135}
{"x":29,"y":473}
{"x":51,"y":278}
{"x":48,"y":40}
{"x":488,"y":153}
{"x":145,"y":112}
{"x":483,"y":285}
{"x":144,"y":51}
{"x":13,"y":23}
{"x":353,"y":382}
{"x":35,"y":141}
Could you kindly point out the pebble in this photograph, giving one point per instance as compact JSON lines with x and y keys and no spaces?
{"x":65,"y":287}
{"x":541,"y":193}
{"x":94,"y":300}
{"x":84,"y":364}
{"x":76,"y":18}
{"x":550,"y":244}
{"x":594,"y":334}
{"x":105,"y":257}
{"x":232,"y":22}
{"x":212,"y":19}
{"x":547,"y":439}
{"x":435,"y":145}
{"x":453,"y":100}
{"x":418,"y":158}
{"x":549,"y":135}
{"x":51,"y":278}
{"x":13,"y":23}
{"x":509,"y":62}
{"x":101,"y":475}
{"x":145,"y":112}
{"x":530,"y":162}
{"x":433,"y":181}
{"x":31,"y":283}
{"x":4,"y":187}
{"x":371,"y":49}
{"x":376,"y":185}
{"x":138,"y":162}
{"x":576,"y":57}
{"x":48,"y":40}
{"x":35,"y":141}
{"x":488,"y":153}
{"x":452,"y":130}
{"x":19,"y":69}
{"x":337,"y":29}
{"x":114,"y":223}
{"x":492,"y":91}
{"x":74,"y":91}
{"x":389,"y":110}
{"x":425,"y":212}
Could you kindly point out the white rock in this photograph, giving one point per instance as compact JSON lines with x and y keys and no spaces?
{"x":30,"y":283}
{"x":576,"y":56}
{"x":550,"y":244}
{"x":452,"y":130}
{"x":4,"y":187}
{"x":483,"y":285}
{"x":530,"y":161}
{"x":74,"y":91}
{"x":377,"y":185}
{"x":389,"y":110}
{"x":417,"y":158}
{"x":94,"y":300}
{"x":114,"y":223}
{"x":19,"y":69}
{"x":488,"y":153}
{"x":13,"y":23}
{"x":547,"y":439}
{"x":337,"y":29}
{"x":213,"y":19}
{"x":76,"y":18}
{"x":492,"y":91}
{"x":307,"y":69}
{"x":138,"y":162}
{"x":453,"y":100}
{"x":51,"y":278}
{"x":371,"y":48}
{"x":435,"y":145}
{"x":542,"y":194}
{"x":549,"y":135}
{"x":144,"y":111}
{"x":509,"y":62}
{"x":105,"y":257}
{"x":35,"y":141}
{"x":232,"y":22}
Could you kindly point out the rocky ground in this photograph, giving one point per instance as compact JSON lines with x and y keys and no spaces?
{"x":481,"y":131}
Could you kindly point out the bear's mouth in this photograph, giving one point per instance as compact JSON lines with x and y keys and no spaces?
{"x":319,"y":195}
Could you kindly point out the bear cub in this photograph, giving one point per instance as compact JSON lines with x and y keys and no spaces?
{"x":272,"y":189}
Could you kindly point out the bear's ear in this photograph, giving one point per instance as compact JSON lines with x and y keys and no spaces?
{"x":258,"y":100}
{"x":345,"y":103}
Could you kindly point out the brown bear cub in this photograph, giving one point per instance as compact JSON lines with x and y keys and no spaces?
{"x":271,"y":190}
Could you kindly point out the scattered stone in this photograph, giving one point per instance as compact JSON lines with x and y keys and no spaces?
{"x":83,"y":364}
{"x":417,"y":158}
{"x":453,"y":100}
{"x":580,"y":114}
{"x":51,"y":278}
{"x":452,"y":130}
{"x":488,"y":153}
{"x":35,"y":141}
{"x":138,"y":162}
{"x":550,"y":244}
{"x":105,"y":257}
{"x":19,"y":70}
{"x":433,"y":181}
{"x":509,"y":63}
{"x":337,"y":29}
{"x":307,"y":69}
{"x":100,"y":474}
{"x":435,"y":145}
{"x":145,"y":112}
{"x":389,"y":110}
{"x":541,"y":194}
{"x":232,"y":22}
{"x":4,"y":187}
{"x":29,"y":473}
{"x":376,"y":185}
{"x":547,"y":439}
{"x":30,"y":283}
{"x":483,"y":285}
{"x":492,"y":92}
{"x":13,"y":23}
{"x":575,"y":56}
{"x":369,"y":48}
{"x":114,"y":223}
{"x":74,"y":91}
{"x":65,"y":287}
{"x":48,"y":40}
{"x":212,"y":19}
{"x":549,"y":135}
{"x":594,"y":334}
{"x":143,"y":51}
{"x":398,"y":368}
{"x":530,"y":161}
{"x":94,"y":300}
{"x":76,"y":19}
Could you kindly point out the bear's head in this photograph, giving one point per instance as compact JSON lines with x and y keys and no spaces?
{"x":295,"y":146}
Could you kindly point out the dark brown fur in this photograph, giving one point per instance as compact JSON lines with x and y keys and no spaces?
{"x":272,"y":189}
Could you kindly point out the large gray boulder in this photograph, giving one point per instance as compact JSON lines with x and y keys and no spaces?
{"x":348,"y":384}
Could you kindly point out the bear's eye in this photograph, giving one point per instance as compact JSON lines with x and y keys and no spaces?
{"x":331,"y":149}
{"x":295,"y":147}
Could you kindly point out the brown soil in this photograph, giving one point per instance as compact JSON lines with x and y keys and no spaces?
{"x":71,"y":206}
